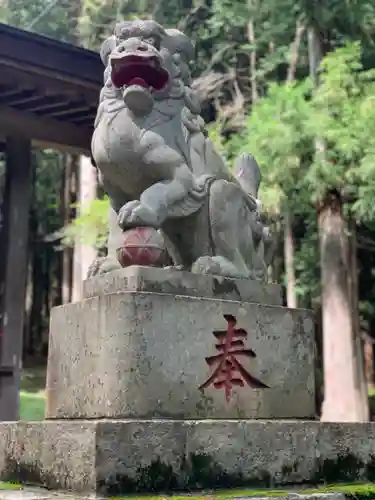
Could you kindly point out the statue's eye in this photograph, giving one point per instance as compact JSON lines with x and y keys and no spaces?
{"x":153,"y":41}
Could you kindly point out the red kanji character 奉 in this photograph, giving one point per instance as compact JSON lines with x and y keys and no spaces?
{"x":229,"y":372}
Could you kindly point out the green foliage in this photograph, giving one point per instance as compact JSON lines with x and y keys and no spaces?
{"x":343,"y":114}
{"x":90,"y":227}
{"x":281,"y":130}
{"x":276,"y":135}
{"x":215,"y":135}
{"x":58,"y":23}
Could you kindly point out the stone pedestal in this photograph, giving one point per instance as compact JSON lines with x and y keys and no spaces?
{"x":135,"y":401}
{"x":120,"y":456}
{"x":140,"y":354}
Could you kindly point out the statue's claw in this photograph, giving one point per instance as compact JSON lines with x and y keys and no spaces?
{"x":218,"y":266}
{"x":134,"y":214}
{"x":103,"y":265}
{"x":178,"y":267}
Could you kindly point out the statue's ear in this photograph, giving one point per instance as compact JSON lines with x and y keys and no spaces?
{"x":106,"y":49}
{"x":177,"y":42}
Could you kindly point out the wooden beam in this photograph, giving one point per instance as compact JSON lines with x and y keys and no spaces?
{"x":21,"y":77}
{"x":12,"y":92}
{"x":46,"y":102}
{"x":89,"y":118}
{"x":25,"y":98}
{"x":24,"y":93}
{"x":71,"y":109}
{"x":45,"y":132}
{"x":60,"y":107}
{"x":18,"y":191}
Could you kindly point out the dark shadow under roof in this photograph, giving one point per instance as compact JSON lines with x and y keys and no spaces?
{"x":48,"y":89}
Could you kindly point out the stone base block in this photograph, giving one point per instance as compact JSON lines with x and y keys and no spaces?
{"x":152,"y":355}
{"x":174,"y":282}
{"x":116,"y":457}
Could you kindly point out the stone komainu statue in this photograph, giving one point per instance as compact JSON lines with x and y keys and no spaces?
{"x":158,"y":167}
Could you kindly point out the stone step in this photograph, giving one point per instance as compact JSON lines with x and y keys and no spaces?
{"x":117,"y":457}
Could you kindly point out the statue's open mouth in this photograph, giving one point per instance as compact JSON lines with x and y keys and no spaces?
{"x":143,"y":71}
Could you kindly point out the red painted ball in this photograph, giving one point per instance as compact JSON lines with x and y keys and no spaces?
{"x":142,"y":246}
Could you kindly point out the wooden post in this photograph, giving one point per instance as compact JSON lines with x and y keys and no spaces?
{"x":18,"y":190}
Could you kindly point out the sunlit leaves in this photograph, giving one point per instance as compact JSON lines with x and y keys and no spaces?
{"x":91,"y":227}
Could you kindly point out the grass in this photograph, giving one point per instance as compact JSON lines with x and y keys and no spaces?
{"x":351,"y":491}
{"x":9,"y":486}
{"x":32,"y":405}
{"x":32,"y":395}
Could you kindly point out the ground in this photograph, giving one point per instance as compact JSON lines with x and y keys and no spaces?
{"x":351,"y":491}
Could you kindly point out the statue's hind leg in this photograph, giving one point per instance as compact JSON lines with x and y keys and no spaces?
{"x":188,"y":238}
{"x":231,"y":232}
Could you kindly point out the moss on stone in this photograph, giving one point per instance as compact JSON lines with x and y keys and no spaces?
{"x":26,"y":473}
{"x":346,"y":467}
{"x":155,"y":477}
{"x":201,"y":471}
{"x":21,"y":473}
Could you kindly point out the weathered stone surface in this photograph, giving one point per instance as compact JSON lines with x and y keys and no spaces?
{"x":111,"y":457}
{"x":140,"y":355}
{"x":172,"y":281}
{"x":57,"y":455}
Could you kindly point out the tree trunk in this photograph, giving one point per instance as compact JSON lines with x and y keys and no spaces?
{"x":343,"y":401}
{"x":369,"y":362}
{"x":289,"y":248}
{"x":354,"y":299}
{"x":253,"y":61}
{"x":294,"y":51}
{"x":69,"y":197}
{"x":342,"y":359}
{"x":289,"y":251}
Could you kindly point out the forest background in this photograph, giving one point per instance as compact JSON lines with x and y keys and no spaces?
{"x":292,"y":82}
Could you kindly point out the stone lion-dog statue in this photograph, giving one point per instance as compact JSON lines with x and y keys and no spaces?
{"x":160,"y":169}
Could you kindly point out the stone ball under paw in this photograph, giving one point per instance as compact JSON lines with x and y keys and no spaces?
{"x":142,"y":246}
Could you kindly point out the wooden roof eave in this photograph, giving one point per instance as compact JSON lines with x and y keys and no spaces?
{"x":48,"y":90}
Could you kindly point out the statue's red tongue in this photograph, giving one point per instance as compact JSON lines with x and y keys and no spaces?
{"x":138,"y":81}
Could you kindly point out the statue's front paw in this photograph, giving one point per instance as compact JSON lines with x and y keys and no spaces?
{"x":103,"y":265}
{"x":135,"y":214}
{"x":218,"y":266}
